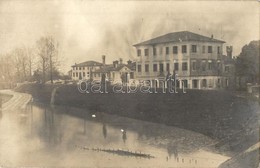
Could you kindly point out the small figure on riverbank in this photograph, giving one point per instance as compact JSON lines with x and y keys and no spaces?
{"x":123,"y":135}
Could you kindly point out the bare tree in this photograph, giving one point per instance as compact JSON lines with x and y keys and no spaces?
{"x":48,"y":53}
{"x":31,"y":60}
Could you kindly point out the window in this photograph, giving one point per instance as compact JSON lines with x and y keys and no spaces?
{"x":184,"y":49}
{"x":203,"y":66}
{"x":219,"y":52}
{"x":175,"y":49}
{"x":176,"y":66}
{"x":73,"y":74}
{"x":167,"y":50}
{"x":77,"y":74}
{"x":194,"y":48}
{"x":154,"y":51}
{"x":168,"y":67}
{"x":203,"y":49}
{"x":79,"y":68}
{"x":204,"y":83}
{"x":146,"y":52}
{"x":226,"y":69}
{"x":155,"y":67}
{"x":161,"y":67}
{"x":219,"y":65}
{"x":194,"y":66}
{"x":209,"y":49}
{"x":184,"y":66}
{"x":131,"y":75}
{"x":83,"y":68}
{"x":84,"y":74}
{"x":76,"y":68}
{"x":210,"y":65}
{"x":139,"y":68}
{"x":139,"y":52}
{"x":146,"y":67}
{"x":195,"y":83}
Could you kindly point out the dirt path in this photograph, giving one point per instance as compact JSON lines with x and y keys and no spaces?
{"x":18,"y":100}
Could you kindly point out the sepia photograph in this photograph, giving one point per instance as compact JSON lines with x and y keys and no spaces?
{"x":129,"y":84}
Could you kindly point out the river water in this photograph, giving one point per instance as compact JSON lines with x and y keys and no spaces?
{"x":47,"y":136}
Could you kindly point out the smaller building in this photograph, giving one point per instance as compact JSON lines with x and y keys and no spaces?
{"x":82,"y":71}
{"x":116,"y":72}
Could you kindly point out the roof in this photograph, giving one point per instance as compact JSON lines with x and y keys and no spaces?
{"x":132,"y":66}
{"x":179,"y":37}
{"x":88,"y":63}
{"x":228,"y":60}
{"x":110,"y":67}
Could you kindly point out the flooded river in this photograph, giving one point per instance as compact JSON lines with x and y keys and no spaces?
{"x":46,"y":136}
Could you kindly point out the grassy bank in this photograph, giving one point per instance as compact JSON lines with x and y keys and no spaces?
{"x":218,"y":114}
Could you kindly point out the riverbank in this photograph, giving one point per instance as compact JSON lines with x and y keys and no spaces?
{"x":5,"y":97}
{"x":14,"y":100}
{"x":220,"y":115}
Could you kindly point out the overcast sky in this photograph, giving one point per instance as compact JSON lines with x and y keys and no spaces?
{"x":88,"y":29}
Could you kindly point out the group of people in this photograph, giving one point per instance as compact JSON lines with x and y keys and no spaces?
{"x":170,"y":79}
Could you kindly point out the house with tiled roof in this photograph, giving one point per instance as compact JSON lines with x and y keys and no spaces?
{"x":118,"y":72}
{"x":196,"y":59}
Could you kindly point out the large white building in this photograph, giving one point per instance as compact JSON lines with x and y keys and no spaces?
{"x":83,"y":71}
{"x":196,"y":59}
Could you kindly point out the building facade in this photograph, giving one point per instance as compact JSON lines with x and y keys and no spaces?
{"x":118,"y":72}
{"x":196,"y":60}
{"x":83,"y":71}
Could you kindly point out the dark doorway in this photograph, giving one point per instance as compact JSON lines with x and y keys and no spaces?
{"x":195,"y":84}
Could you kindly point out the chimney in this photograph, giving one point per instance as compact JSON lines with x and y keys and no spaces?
{"x":229,"y":50}
{"x":120,"y":61}
{"x":115,"y":63}
{"x":129,"y":62}
{"x":104,"y":59}
{"x":212,"y":36}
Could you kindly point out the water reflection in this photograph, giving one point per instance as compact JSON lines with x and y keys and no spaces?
{"x":1,"y":114}
{"x":50,"y":135}
{"x":104,"y":130}
{"x":124,"y":134}
{"x":84,"y":126}
{"x":172,"y":150}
